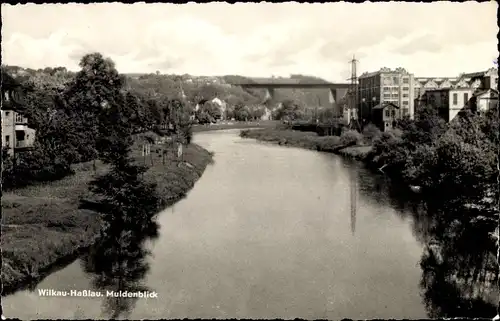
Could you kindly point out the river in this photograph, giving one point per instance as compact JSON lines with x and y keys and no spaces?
{"x":267,"y":232}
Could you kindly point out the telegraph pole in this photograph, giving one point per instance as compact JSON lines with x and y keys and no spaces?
{"x":353,"y":105}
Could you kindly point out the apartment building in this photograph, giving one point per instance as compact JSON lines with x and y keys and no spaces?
{"x":16,"y":135}
{"x":383,"y":89}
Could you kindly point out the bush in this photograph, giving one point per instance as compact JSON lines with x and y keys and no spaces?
{"x":371,"y":132}
{"x":351,"y":137}
{"x":328,"y":143}
{"x":389,"y":150}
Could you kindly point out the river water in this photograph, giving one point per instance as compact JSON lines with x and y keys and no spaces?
{"x":267,"y":232}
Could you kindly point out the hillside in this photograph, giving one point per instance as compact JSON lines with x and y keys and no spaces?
{"x":195,"y":88}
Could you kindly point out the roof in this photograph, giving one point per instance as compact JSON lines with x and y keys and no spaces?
{"x":385,"y":104}
{"x":474,"y":74}
{"x":484,"y":91}
{"x":369,"y":74}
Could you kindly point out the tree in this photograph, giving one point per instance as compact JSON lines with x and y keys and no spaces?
{"x":389,"y":150}
{"x":96,"y":86}
{"x":124,"y":196}
{"x":427,"y":127}
{"x":290,"y":110}
{"x":212,"y":109}
{"x":204,"y":117}
{"x":115,"y":129}
{"x":241,"y":112}
{"x":258,"y":112}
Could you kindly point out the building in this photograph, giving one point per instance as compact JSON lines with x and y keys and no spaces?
{"x":385,"y":114}
{"x":268,"y":115}
{"x":450,"y":95}
{"x":483,"y":100}
{"x":448,"y":101}
{"x":16,"y":135}
{"x":386,"y":86}
{"x":222,"y":106}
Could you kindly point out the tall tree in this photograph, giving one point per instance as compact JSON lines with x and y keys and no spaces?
{"x":96,"y":86}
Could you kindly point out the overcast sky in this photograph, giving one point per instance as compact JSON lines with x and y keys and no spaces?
{"x":434,"y":39}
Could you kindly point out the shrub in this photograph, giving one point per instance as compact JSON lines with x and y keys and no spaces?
{"x":351,"y":137}
{"x":371,"y":132}
{"x":328,"y":143}
{"x":389,"y":150}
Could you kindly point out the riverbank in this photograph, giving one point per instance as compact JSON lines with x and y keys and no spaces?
{"x":309,"y":140}
{"x":43,"y":224}
{"x":235,"y":125}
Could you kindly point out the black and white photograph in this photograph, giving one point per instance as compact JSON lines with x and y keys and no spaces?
{"x":250,"y":160}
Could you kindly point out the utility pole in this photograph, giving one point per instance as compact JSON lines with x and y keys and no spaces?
{"x":353,"y":101}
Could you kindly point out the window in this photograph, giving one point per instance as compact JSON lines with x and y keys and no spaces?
{"x":395,"y":95}
{"x":386,"y":88}
{"x":466,"y":98}
{"x":393,"y":113}
{"x":387,"y":113}
{"x":405,"y":95}
{"x":7,"y":113}
{"x":405,"y":111}
{"x":7,"y":140}
{"x":455,"y":99}
{"x":6,"y":95}
{"x":406,"y":88}
{"x":395,"y":80}
{"x":406,"y":80}
{"x":387,"y":95}
{"x":405,"y":102}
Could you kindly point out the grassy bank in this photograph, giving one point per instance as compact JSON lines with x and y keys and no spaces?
{"x":236,"y":125}
{"x":349,"y":146}
{"x":43,"y":224}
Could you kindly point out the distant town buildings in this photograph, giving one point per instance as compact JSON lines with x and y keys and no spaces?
{"x":399,"y":93}
{"x":478,"y":91}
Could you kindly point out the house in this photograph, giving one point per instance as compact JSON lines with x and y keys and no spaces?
{"x":268,"y":115}
{"x":483,"y":100}
{"x":222,"y":106}
{"x":16,"y":135}
{"x":384,"y":115}
{"x":451,"y":101}
{"x":448,"y":101}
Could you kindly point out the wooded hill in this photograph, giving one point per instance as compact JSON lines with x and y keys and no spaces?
{"x":195,"y":88}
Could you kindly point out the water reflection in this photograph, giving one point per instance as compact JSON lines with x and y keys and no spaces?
{"x":119,"y":262}
{"x":459,"y":268}
{"x":353,"y":198}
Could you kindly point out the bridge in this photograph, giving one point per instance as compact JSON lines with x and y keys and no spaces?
{"x":336,"y":90}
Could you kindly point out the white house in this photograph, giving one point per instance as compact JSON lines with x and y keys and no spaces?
{"x":268,"y":114}
{"x":222,"y":105}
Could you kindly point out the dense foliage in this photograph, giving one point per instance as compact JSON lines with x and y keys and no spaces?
{"x":79,"y":117}
{"x":457,"y":161}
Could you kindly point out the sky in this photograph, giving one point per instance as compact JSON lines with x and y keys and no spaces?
{"x":440,"y":39}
